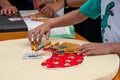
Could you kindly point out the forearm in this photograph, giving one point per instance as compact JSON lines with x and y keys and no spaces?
{"x":71,"y":18}
{"x":75,"y":3}
{"x":116,"y":47}
{"x":4,"y":3}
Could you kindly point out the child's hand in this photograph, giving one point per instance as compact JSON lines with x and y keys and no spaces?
{"x":96,"y":48}
{"x":38,"y":32}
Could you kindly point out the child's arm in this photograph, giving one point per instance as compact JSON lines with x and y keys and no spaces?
{"x":71,"y":18}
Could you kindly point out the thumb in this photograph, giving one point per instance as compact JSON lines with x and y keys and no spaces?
{"x":35,"y":4}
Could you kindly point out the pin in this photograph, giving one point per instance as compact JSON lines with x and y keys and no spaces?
{"x":47,"y":44}
{"x":42,"y":46}
{"x":62,"y":47}
{"x":32,"y":56}
{"x":59,"y":51}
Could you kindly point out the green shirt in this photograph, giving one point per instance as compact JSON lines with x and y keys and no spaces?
{"x":92,"y":8}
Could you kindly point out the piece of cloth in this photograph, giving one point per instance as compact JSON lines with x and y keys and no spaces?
{"x":62,"y":60}
{"x":109,"y":10}
{"x":110,"y":20}
{"x":91,"y":8}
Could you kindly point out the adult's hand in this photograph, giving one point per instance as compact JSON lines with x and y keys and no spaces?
{"x":48,"y":11}
{"x":36,"y":4}
{"x":45,"y":2}
{"x":39,"y":4}
{"x":10,"y":10}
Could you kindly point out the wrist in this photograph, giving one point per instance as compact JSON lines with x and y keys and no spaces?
{"x":48,"y":24}
{"x":51,"y":24}
{"x":115,"y":48}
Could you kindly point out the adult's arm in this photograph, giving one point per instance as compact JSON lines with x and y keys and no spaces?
{"x":4,"y":3}
{"x":7,"y":8}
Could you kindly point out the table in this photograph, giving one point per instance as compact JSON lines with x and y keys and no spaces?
{"x":15,"y":68}
{"x":117,"y":77}
{"x":22,"y":34}
{"x":12,"y":35}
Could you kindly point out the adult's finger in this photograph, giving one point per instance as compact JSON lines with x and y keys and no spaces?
{"x":42,"y":9}
{"x":5,"y":11}
{"x":49,"y":12}
{"x":9,"y":12}
{"x":1,"y":12}
{"x":35,"y":4}
{"x":14,"y":10}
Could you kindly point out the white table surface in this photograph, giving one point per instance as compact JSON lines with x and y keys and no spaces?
{"x":13,"y":67}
